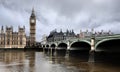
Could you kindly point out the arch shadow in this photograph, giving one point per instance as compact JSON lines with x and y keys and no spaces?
{"x":80,"y":50}
{"x":53,"y":46}
{"x":47,"y":46}
{"x":62,"y":46}
{"x":80,"y":45}
{"x":61,"y":49}
{"x":108,"y":45}
{"x":108,"y":50}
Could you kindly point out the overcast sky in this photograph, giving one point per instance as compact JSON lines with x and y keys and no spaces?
{"x":62,"y":14}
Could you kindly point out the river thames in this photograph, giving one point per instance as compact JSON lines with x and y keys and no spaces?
{"x":38,"y":61}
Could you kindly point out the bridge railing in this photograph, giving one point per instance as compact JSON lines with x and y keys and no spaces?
{"x":108,"y":36}
{"x":88,"y":38}
{"x":69,"y":39}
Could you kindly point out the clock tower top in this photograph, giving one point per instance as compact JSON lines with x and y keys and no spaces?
{"x":33,"y":13}
{"x":33,"y":17}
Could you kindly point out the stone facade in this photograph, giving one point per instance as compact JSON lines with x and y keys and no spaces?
{"x":11,"y":39}
{"x":58,"y":36}
{"x":44,"y":39}
{"x":87,"y":34}
{"x":27,"y":41}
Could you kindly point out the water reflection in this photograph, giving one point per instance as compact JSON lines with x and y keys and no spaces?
{"x":78,"y":62}
{"x":11,"y":57}
{"x":31,"y":61}
{"x":71,"y":63}
{"x":12,"y":61}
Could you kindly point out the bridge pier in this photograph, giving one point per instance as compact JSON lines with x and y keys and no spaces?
{"x":91,"y":56}
{"x":51,"y":51}
{"x":43,"y":46}
{"x":43,"y":49}
{"x":67,"y":53}
{"x":46,"y":50}
{"x":92,"y":51}
{"x":92,"y":44}
{"x":55,"y":52}
{"x":68,"y":47}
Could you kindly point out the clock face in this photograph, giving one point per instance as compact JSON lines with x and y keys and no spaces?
{"x":32,"y":21}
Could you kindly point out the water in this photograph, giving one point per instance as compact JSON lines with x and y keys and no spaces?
{"x":32,"y":61}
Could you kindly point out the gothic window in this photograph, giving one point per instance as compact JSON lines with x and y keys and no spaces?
{"x":12,"y":43}
{"x":20,"y":42}
{"x":8,"y":43}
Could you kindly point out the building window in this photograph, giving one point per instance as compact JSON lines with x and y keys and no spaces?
{"x":20,"y":42}
{"x":8,"y":43}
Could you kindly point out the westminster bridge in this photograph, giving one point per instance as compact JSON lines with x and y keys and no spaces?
{"x":97,"y":47}
{"x":93,"y":43}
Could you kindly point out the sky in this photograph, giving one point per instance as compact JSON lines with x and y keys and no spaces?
{"x":61,"y":14}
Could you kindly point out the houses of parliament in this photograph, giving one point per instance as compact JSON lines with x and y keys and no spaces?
{"x":11,"y":39}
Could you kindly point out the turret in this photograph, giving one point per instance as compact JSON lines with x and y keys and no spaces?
{"x":2,"y":29}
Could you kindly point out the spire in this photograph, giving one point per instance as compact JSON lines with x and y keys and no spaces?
{"x":2,"y":28}
{"x":67,"y":31}
{"x":80,"y":31}
{"x":33,"y":12}
{"x":11,"y":27}
{"x":72,"y":30}
{"x":86,"y":30}
{"x":92,"y":29}
{"x":6,"y":27}
{"x":55,"y":30}
{"x":24,"y":27}
{"x":60,"y":30}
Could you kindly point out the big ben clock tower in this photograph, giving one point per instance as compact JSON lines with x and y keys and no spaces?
{"x":32,"y":28}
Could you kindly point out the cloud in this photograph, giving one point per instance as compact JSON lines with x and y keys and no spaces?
{"x":62,"y":14}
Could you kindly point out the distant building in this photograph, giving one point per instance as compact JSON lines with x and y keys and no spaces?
{"x":10,"y":39}
{"x":44,"y":39}
{"x":86,"y":34}
{"x":27,"y":41}
{"x":102,"y":33}
{"x":57,"y":36}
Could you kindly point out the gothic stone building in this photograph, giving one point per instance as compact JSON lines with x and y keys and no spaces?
{"x":11,"y":39}
{"x":31,"y":40}
{"x":58,"y":36}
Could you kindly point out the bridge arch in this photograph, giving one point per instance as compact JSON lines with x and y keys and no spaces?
{"x":53,"y":46}
{"x":62,"y":46}
{"x":47,"y":46}
{"x":80,"y":45}
{"x":111,"y":44}
{"x":43,"y":46}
